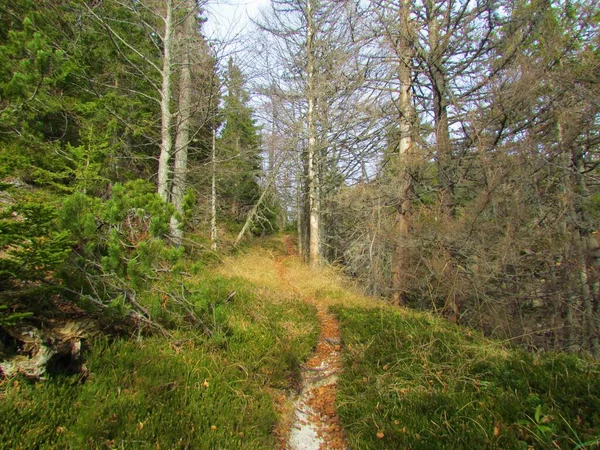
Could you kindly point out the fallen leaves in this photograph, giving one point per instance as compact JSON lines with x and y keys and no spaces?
{"x":320,"y":399}
{"x":497,"y":429}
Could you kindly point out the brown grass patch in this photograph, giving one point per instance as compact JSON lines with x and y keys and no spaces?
{"x":288,"y":278}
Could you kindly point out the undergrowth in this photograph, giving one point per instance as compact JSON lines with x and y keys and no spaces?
{"x":412,"y":381}
{"x":207,"y":386}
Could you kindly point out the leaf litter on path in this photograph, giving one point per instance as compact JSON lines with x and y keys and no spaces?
{"x":316,"y":424}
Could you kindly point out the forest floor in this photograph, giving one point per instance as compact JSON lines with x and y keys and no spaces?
{"x":290,"y":357}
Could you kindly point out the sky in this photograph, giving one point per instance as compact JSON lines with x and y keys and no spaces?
{"x":228,"y":18}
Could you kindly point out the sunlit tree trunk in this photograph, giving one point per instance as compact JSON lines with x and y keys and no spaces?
{"x":313,"y":176}
{"x":166,"y":143}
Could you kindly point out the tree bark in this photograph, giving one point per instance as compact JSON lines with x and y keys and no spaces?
{"x":165,"y":101}
{"x":442,"y":127}
{"x":581,"y":241}
{"x":402,"y":225}
{"x":213,"y":193}
{"x":435,"y":67}
{"x":313,"y":177}
{"x":182,"y":139}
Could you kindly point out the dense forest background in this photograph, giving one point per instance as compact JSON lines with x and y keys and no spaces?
{"x":443,"y":153}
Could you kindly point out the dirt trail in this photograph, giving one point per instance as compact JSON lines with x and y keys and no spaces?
{"x":308,"y":419}
{"x":316,"y":425}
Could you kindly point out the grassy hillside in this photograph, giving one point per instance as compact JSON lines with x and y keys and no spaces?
{"x":186,"y":391}
{"x":413,"y":381}
{"x":409,"y":380}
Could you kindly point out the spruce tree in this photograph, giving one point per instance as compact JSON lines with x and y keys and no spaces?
{"x":239,"y":148}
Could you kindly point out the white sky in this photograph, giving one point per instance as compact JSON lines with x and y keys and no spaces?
{"x":228,"y":18}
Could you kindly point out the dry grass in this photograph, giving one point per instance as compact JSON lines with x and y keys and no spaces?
{"x":279,"y":277}
{"x":288,"y":278}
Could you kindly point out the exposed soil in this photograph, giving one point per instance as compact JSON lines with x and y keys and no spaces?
{"x":315,"y":424}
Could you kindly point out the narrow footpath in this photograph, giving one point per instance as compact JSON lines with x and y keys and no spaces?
{"x":316,"y":425}
{"x":308,"y":416}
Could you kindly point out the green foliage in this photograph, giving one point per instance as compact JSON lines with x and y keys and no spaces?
{"x":120,"y":237}
{"x":239,"y":147}
{"x":9,"y":319}
{"x":77,"y":216}
{"x":77,"y":129}
{"x":592,"y":206}
{"x":82,"y":242}
{"x":32,"y":252}
{"x":190,"y":200}
{"x":427,"y":384}
{"x":137,"y":200}
{"x":63,"y":87}
{"x":32,"y":248}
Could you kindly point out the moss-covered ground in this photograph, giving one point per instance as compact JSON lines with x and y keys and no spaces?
{"x":192,"y":389}
{"x":418,"y":382}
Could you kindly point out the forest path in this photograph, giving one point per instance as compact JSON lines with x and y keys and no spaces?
{"x":316,"y":424}
{"x":309,"y":421}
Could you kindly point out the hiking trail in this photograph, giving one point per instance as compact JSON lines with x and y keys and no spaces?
{"x":316,"y":425}
{"x":309,"y":420}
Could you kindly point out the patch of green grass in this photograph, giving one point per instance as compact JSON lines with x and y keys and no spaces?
{"x":427,"y":384}
{"x":197,"y":390}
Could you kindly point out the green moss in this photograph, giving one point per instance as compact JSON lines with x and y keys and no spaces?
{"x":427,"y":384}
{"x":154,"y":392}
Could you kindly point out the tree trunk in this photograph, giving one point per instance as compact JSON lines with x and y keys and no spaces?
{"x":313,"y":178}
{"x":53,"y":348}
{"x":213,"y":193}
{"x":442,"y":127}
{"x":402,"y":225}
{"x":165,"y":110}
{"x":252,"y":214}
{"x":183,"y":131}
{"x":581,"y":240}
